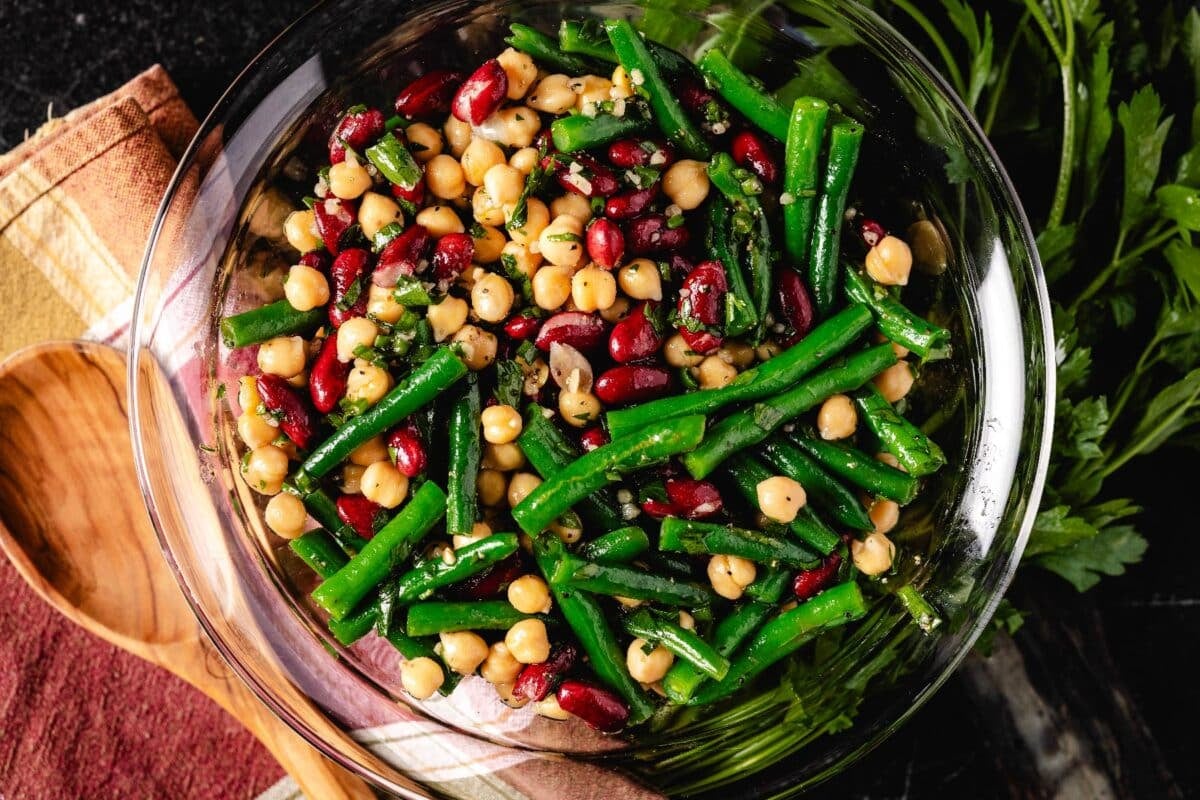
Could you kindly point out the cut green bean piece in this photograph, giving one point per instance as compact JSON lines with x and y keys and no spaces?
{"x":420,"y":582}
{"x":746,"y":472}
{"x":463,"y":473}
{"x":708,"y":538}
{"x":545,"y":49}
{"x":745,"y":94}
{"x":394,"y":162}
{"x":845,"y":139}
{"x":320,"y":552}
{"x":323,"y":509}
{"x":434,"y":617}
{"x":894,"y":319}
{"x":589,"y":38}
{"x":618,"y":581}
{"x":266,"y":322}
{"x":581,"y":132}
{"x":915,"y":451}
{"x":842,"y":504}
{"x":801,"y":175}
{"x":861,"y":469}
{"x":619,"y":547}
{"x":922,"y":613}
{"x":684,"y":643}
{"x":748,"y":243}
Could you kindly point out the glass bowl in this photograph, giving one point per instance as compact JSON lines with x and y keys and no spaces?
{"x":215,"y":250}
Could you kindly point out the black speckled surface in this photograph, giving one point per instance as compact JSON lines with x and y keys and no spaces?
{"x":67,"y":53}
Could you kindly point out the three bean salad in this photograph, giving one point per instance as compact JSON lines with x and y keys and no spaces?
{"x":592,"y":379}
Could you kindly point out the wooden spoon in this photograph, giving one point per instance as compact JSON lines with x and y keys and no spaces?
{"x":77,"y":532}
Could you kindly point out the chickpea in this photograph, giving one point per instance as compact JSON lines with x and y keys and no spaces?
{"x":444,"y":177}
{"x":375,"y":212}
{"x":781,"y":498}
{"x":930,"y":251}
{"x":265,"y":468}
{"x":520,"y":70}
{"x":369,"y":452}
{"x":424,"y":141}
{"x":890,"y":261}
{"x":248,"y":399}
{"x":687,"y":621}
{"x":621,"y":85}
{"x":500,"y":667}
{"x":503,"y":184}
{"x":686,"y":183}
{"x":713,"y":373}
{"x":352,"y":479}
{"x":503,"y":457}
{"x":348,"y":179}
{"x":447,"y":317}
{"x":767,"y":350}
{"x":489,"y":244}
{"x":480,"y":156}
{"x":480,"y":530}
{"x":300,"y":230}
{"x":551,"y":287}
{"x":590,"y":89}
{"x":529,"y":595}
{"x":382,"y":483}
{"x":355,"y":333}
{"x":458,"y":135}
{"x":593,"y":289}
{"x":537,"y":217}
{"x":421,"y":677}
{"x":739,"y":354}
{"x":516,"y":126}
{"x":505,"y":692}
{"x":895,"y":381}
{"x":306,"y":288}
{"x":647,"y":667}
{"x":525,"y":260}
{"x":730,"y":575}
{"x":284,"y":356}
{"x":527,"y":641}
{"x":485,"y":210}
{"x":617,"y":311}
{"x":463,"y":651}
{"x":286,"y":515}
{"x":885,"y":514}
{"x":382,"y":305}
{"x":440,"y":221}
{"x":874,"y":554}
{"x":569,"y":534}
{"x":299,"y":380}
{"x":501,"y":424}
{"x":521,"y":484}
{"x":553,"y":94}
{"x":561,"y":242}
{"x":478,"y":346}
{"x":492,"y":298}
{"x":679,"y":353}
{"x":572,"y":205}
{"x":885,"y":457}
{"x":492,"y":487}
{"x":837,"y":418}
{"x":641,"y":280}
{"x":524,"y":160}
{"x":550,"y":709}
{"x":255,"y":430}
{"x":578,"y":408}
{"x":367,"y":383}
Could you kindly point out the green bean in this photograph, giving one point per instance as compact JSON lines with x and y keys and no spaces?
{"x":777,"y":375}
{"x":747,"y":472}
{"x":412,"y":649}
{"x":319,"y":551}
{"x":618,"y":547}
{"x":860,"y":469}
{"x":918,"y":608}
{"x":358,"y":623}
{"x":684,"y":643}
{"x":477,"y":615}
{"x":617,"y":581}
{"x":588,"y":38}
{"x":323,"y":509}
{"x":463,"y":472}
{"x":845,"y":139}
{"x":394,"y":162}
{"x":749,"y":427}
{"x":391,"y":546}
{"x":801,"y":174}
{"x":707,"y":538}
{"x":894,"y":319}
{"x":579,"y":132}
{"x":915,"y":451}
{"x":545,"y":49}
{"x":267,"y":322}
{"x":414,"y":392}
{"x":784,"y":635}
{"x":744,"y":248}
{"x":590,"y":472}
{"x":421,"y":581}
{"x":821,"y":487}
{"x":743,"y":93}
{"x":768,"y":587}
{"x":644,"y":71}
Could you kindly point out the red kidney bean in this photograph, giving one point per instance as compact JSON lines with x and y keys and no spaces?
{"x":593,"y":180}
{"x":592,"y":438}
{"x":694,"y":499}
{"x":403,"y":255}
{"x":581,"y":331}
{"x":480,"y":94}
{"x":317,"y":259}
{"x":630,"y":204}
{"x":428,"y":94}
{"x":680,"y":266}
{"x":703,"y":103}
{"x":348,"y":268}
{"x":650,"y":234}
{"x":327,"y":378}
{"x":359,"y":513}
{"x":599,"y":708}
{"x":636,"y":336}
{"x":296,"y":419}
{"x":538,"y":680}
{"x":415,"y":195}
{"x":871,"y":231}
{"x":522,"y":326}
{"x":407,"y":450}
{"x":605,"y":243}
{"x":451,"y":256}
{"x":357,"y":130}
{"x":750,"y":151}
{"x":492,"y":581}
{"x":702,"y":302}
{"x":334,"y":217}
{"x":810,"y":581}
{"x":659,"y":509}
{"x":631,"y":383}
{"x":630,"y":153}
{"x":795,"y":305}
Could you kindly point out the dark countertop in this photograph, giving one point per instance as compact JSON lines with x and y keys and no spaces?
{"x":1134,"y":712}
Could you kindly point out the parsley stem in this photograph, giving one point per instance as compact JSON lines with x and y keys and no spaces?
{"x":1119,"y":259}
{"x":1065,"y":54}
{"x":1135,"y":448}
{"x":931,"y":31}
{"x":1002,"y":78}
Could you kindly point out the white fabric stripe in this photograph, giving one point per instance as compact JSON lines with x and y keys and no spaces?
{"x":284,"y":789}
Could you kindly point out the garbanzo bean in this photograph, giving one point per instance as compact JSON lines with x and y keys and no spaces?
{"x":478,"y":346}
{"x":529,"y":595}
{"x":424,"y":141}
{"x":780,"y":498}
{"x":447,"y":317}
{"x":382,"y":305}
{"x":730,"y":575}
{"x":286,"y":515}
{"x":500,"y":667}
{"x":382,"y":483}
{"x":714,"y":372}
{"x":492,"y":487}
{"x":593,"y":289}
{"x":504,"y":457}
{"x":367,"y":383}
{"x":306,"y":288}
{"x":492,"y":297}
{"x":874,"y":554}
{"x":561,"y":242}
{"x":489,"y":244}
{"x":686,"y":183}
{"x":572,"y":205}
{"x":578,"y":408}
{"x":516,"y":126}
{"x":553,"y":94}
{"x":647,"y":667}
{"x":525,"y":260}
{"x":284,"y":356}
{"x":884,"y":514}
{"x":353,"y":334}
{"x":480,"y":156}
{"x":537,"y":217}
{"x":440,"y":221}
{"x":501,"y":424}
{"x":463,"y":651}
{"x":484,"y":209}
{"x":458,"y":135}
{"x":265,"y":468}
{"x":551,"y":287}
{"x":376,"y":211}
{"x":889,"y":262}
{"x":445,"y":177}
{"x":503,"y":183}
{"x":527,"y":641}
{"x":520,"y":71}
{"x":300,"y":230}
{"x":837,"y":418}
{"x":421,"y":677}
{"x":679,"y":353}
{"x":894,"y":382}
{"x":255,"y":431}
{"x":641,"y":280}
{"x":348,"y":179}
{"x":521,"y":484}
{"x":524,"y":160}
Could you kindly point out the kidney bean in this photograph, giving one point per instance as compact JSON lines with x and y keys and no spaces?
{"x":349,"y":268}
{"x":317,"y":259}
{"x":750,"y":151}
{"x":429,"y":94}
{"x":630,"y":204}
{"x":576,"y":328}
{"x":415,"y":195}
{"x":631,"y":383}
{"x":703,"y":103}
{"x":357,"y":130}
{"x":334,"y":217}
{"x":811,"y":581}
{"x":659,"y":509}
{"x":451,"y":256}
{"x":480,"y":94}
{"x":605,"y":243}
{"x":592,"y":180}
{"x":795,"y":305}
{"x":404,"y":255}
{"x":327,"y":378}
{"x":599,"y":708}
{"x":359,"y":513}
{"x":630,"y":153}
{"x":538,"y":680}
{"x":694,"y":499}
{"x":592,"y":438}
{"x":650,"y":234}
{"x":702,"y":303}
{"x":681,"y":267}
{"x":296,"y":419}
{"x":871,"y":231}
{"x":492,"y":581}
{"x":408,"y":450}
{"x":636,"y":336}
